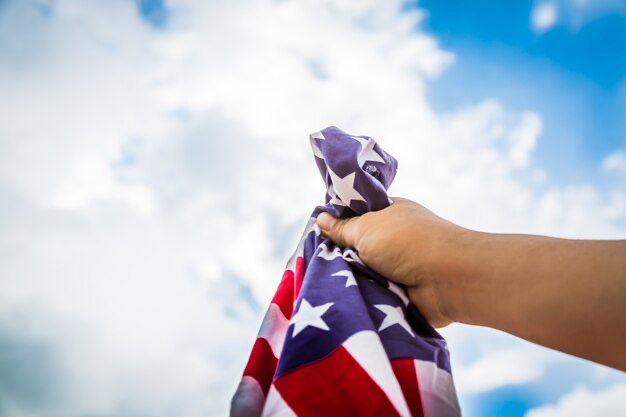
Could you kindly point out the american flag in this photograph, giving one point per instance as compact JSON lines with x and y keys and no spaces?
{"x":338,"y":339}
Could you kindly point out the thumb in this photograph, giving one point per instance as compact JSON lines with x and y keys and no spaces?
{"x":341,"y":231}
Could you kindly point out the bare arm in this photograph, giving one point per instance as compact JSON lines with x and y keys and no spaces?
{"x":568,"y":295}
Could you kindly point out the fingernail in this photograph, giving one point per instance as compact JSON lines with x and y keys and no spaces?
{"x":325,"y":221}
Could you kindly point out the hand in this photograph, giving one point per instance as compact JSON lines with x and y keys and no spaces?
{"x":406,"y":243}
{"x":564,"y":294}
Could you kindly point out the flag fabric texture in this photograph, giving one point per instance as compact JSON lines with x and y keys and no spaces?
{"x":338,"y":339}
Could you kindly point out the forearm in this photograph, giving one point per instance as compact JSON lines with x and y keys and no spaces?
{"x":569,"y":295}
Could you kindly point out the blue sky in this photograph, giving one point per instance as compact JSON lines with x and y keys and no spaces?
{"x":573,"y":76}
{"x":155,"y":176}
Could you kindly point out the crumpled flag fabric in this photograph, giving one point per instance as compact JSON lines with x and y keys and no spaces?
{"x":338,"y":339}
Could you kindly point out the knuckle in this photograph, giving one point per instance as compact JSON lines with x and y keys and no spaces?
{"x":342,"y":231}
{"x":337,"y":229}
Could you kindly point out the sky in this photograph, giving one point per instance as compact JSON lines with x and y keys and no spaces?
{"x":155,"y":176}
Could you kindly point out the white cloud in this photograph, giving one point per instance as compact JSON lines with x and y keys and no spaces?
{"x":518,"y":364}
{"x":544,"y":16}
{"x":615,"y":162}
{"x":524,"y":138}
{"x":607,"y":402}
{"x":574,"y":14}
{"x":154,"y":182}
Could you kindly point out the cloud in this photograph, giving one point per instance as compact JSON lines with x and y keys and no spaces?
{"x":154,"y":179}
{"x":28,"y":371}
{"x":583,"y":402}
{"x":152,"y":184}
{"x":583,"y":11}
{"x":615,"y":162}
{"x":544,"y":16}
{"x":507,"y":366}
{"x":574,"y":14}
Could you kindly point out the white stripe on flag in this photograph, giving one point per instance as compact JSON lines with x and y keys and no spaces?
{"x":248,"y":399}
{"x":275,"y":406}
{"x":366,"y":348}
{"x":311,"y":225}
{"x":437,"y":390}
{"x":274,"y":328}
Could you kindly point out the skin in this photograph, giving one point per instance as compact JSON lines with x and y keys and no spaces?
{"x":568,"y":295}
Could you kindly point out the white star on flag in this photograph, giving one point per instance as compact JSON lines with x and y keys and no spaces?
{"x":394,"y":315}
{"x":317,"y":135}
{"x":346,"y":273}
{"x":344,"y":187}
{"x":362,"y":141}
{"x":316,"y":150}
{"x":351,"y":256}
{"x":333,"y":197}
{"x":325,"y":253}
{"x":400,"y":292}
{"x":367,"y":151}
{"x":308,"y":315}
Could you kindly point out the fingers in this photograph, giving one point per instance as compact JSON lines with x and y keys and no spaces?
{"x":341,"y":231}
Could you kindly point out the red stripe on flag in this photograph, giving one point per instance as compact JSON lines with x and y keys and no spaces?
{"x":299,"y":275}
{"x":262,"y":364}
{"x":284,"y":294}
{"x":334,"y":386}
{"x":404,"y":369}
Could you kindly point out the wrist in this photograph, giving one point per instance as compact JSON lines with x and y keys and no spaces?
{"x":459,"y":276}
